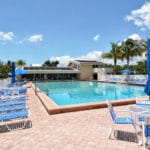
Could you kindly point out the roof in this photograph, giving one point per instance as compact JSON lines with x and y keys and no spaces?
{"x":85,"y":61}
{"x":89,"y":62}
{"x":46,"y":68}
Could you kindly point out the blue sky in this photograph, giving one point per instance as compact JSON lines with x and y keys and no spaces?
{"x":38,"y":30}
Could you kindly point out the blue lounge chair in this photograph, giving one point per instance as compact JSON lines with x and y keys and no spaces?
{"x":14,"y":115}
{"x":144,"y":103}
{"x":12,"y":108}
{"x":5,"y":92}
{"x":146,"y":131}
{"x":13,"y":99}
{"x":15,"y":120}
{"x":22,"y":90}
{"x":120,"y":120}
{"x":9,"y":91}
{"x":7,"y":103}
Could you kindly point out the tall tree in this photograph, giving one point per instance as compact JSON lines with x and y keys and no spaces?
{"x":141,"y":67}
{"x":9,"y":63}
{"x":114,"y":54}
{"x":5,"y":68}
{"x":131,"y":48}
{"x":49,"y":63}
{"x":20,"y":63}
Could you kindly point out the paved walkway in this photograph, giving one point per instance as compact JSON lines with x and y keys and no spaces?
{"x":82,"y":130}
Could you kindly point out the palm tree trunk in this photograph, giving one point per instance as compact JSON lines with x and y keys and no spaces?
{"x":127,"y":63}
{"x":115,"y":62}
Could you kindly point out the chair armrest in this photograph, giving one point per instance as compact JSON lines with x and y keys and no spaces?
{"x":145,"y":114}
{"x":124,"y":113}
{"x":136,"y":109}
{"x":142,"y":99}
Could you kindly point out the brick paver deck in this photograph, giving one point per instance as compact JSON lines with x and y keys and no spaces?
{"x":82,"y":130}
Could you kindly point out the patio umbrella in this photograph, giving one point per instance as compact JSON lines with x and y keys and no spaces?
{"x":126,"y":71}
{"x":20,"y":71}
{"x":13,"y":73}
{"x":147,"y":86}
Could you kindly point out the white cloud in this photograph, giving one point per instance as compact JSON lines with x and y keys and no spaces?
{"x":64,"y":60}
{"x":134,"y":37}
{"x":96,"y":37}
{"x":138,"y":58}
{"x":133,"y":61}
{"x":35,"y":65}
{"x":36,"y":38}
{"x":6,"y":36}
{"x":141,"y":17}
{"x":94,"y":55}
{"x":119,"y":43}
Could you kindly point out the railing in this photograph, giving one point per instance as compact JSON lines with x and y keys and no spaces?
{"x":101,"y":73}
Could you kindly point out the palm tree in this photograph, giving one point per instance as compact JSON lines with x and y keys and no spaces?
{"x":5,"y":68}
{"x":20,"y":63}
{"x":114,"y":54}
{"x":49,"y":63}
{"x":141,"y":67}
{"x":131,"y":48}
{"x":8,"y":63}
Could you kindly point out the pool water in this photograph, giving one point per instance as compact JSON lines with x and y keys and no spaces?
{"x":67,"y":93}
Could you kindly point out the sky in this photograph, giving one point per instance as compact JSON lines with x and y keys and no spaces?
{"x":64,"y":30}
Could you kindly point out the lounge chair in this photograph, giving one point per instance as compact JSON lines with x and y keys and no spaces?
{"x":9,"y":91}
{"x":12,"y":108}
{"x":13,"y":120}
{"x":12,"y":103}
{"x":22,"y":90}
{"x":146,"y":131}
{"x":13,"y":99}
{"x":120,"y":120}
{"x":144,"y":103}
{"x":14,"y":115}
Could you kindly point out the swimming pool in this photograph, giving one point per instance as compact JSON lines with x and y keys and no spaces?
{"x":68,"y":93}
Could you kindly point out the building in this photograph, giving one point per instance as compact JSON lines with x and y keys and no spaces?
{"x":76,"y":70}
{"x":86,"y":68}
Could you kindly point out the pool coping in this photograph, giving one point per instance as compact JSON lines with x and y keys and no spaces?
{"x":53,"y":108}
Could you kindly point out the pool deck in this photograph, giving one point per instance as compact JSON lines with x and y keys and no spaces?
{"x":80,"y":130}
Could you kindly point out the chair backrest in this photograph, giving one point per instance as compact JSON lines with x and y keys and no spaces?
{"x":147,"y":131}
{"x":111,"y":110}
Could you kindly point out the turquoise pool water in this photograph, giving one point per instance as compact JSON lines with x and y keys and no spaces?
{"x":66,"y":93}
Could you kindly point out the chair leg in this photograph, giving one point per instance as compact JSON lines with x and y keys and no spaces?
{"x":110,"y":131}
{"x":109,"y":134}
{"x":136,"y":132}
{"x":143,"y":136}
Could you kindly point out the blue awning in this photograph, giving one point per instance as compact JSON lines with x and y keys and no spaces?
{"x":20,"y":71}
